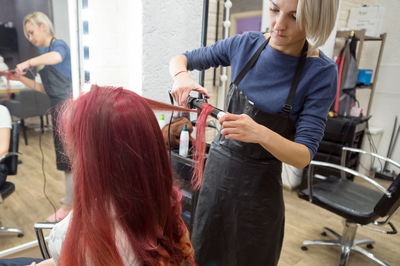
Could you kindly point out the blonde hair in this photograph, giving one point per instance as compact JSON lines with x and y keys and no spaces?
{"x":38,"y":18}
{"x":317,"y":18}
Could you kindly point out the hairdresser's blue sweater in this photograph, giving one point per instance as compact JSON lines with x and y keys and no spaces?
{"x":62,"y":48}
{"x":268,"y":83}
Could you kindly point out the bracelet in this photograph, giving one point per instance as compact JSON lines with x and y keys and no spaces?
{"x":182,"y":71}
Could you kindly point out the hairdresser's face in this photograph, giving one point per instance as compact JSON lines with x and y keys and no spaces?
{"x":36,"y":34}
{"x":283,"y":27}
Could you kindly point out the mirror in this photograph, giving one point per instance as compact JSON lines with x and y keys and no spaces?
{"x":37,"y":178}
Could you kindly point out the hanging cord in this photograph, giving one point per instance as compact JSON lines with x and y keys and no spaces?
{"x":171,"y":99}
{"x":43,"y":160}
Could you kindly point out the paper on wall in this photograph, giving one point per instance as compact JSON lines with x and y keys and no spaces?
{"x":369,"y":18}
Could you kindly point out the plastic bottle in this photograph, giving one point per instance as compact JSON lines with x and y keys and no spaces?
{"x":161,"y":120}
{"x":184,"y":142}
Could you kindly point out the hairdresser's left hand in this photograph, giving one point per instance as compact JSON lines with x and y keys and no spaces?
{"x":242,"y":128}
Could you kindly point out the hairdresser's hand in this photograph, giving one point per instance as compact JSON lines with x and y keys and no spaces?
{"x":241,"y":128}
{"x":12,"y":75}
{"x":183,"y":85}
{"x":22,"y":67}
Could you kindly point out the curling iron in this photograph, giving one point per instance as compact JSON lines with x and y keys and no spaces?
{"x":198,"y":104}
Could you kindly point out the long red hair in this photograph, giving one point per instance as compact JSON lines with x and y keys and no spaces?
{"x":122,"y":176}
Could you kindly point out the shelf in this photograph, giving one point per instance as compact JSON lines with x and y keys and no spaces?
{"x":359,"y":34}
{"x":360,"y":87}
{"x":370,"y":86}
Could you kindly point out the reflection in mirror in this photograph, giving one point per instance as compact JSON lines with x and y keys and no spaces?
{"x":39,"y":186}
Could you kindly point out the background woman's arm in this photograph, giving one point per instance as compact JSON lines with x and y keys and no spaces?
{"x":50,"y":58}
{"x":31,"y":84}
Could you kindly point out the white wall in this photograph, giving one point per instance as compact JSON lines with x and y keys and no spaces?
{"x":61,"y":20}
{"x":169,"y":28}
{"x":132,"y":43}
{"x":116,"y":43}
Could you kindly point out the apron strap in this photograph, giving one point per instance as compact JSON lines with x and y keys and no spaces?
{"x":51,"y":42}
{"x":250,"y":63}
{"x":287,"y":107}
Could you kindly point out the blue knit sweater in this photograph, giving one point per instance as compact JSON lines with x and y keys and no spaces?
{"x":268,"y":83}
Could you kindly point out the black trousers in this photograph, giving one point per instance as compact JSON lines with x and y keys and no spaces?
{"x":18,"y":261}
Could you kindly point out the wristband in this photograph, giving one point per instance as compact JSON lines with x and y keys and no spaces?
{"x":182,"y":71}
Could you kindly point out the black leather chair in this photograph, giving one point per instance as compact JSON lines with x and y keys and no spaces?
{"x":29,"y":103}
{"x":10,"y":160}
{"x":358,"y":204}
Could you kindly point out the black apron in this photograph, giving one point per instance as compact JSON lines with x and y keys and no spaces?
{"x":239,"y":217}
{"x":59,"y":89}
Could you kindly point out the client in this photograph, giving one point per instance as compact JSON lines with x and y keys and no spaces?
{"x":126,"y":209}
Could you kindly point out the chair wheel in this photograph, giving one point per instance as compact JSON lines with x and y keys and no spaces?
{"x":370,"y":246}
{"x":324,"y":234}
{"x":304,"y":248}
{"x":20,"y":235}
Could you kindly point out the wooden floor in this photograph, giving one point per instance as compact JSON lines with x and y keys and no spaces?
{"x":28,"y":204}
{"x":304,"y":221}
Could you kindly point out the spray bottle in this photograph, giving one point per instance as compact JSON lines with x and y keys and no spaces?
{"x":184,"y":141}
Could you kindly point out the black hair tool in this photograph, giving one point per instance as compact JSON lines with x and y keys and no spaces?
{"x":197,"y":103}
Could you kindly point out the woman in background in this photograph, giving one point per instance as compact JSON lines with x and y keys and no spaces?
{"x":56,"y":83}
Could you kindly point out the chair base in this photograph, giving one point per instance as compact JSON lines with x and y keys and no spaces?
{"x":347,"y":244}
{"x":11,"y":231}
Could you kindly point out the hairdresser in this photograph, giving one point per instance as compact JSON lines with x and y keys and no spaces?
{"x":56,"y":83}
{"x":282,"y":88}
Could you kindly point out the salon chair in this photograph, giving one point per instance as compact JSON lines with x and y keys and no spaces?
{"x":39,"y":227}
{"x":10,"y":161}
{"x":26,"y":104}
{"x":370,"y":205}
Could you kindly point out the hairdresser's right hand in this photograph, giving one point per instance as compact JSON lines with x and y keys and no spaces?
{"x":183,"y":85}
{"x":22,"y":67}
{"x":12,"y":75}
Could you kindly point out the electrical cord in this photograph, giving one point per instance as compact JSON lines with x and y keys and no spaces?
{"x":43,"y":160}
{"x":169,"y":128}
{"x":45,"y":178}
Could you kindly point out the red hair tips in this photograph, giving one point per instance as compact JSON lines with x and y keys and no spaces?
{"x":122,"y":183}
{"x":200,"y":145}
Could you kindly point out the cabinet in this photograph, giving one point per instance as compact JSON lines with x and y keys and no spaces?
{"x":341,"y":132}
